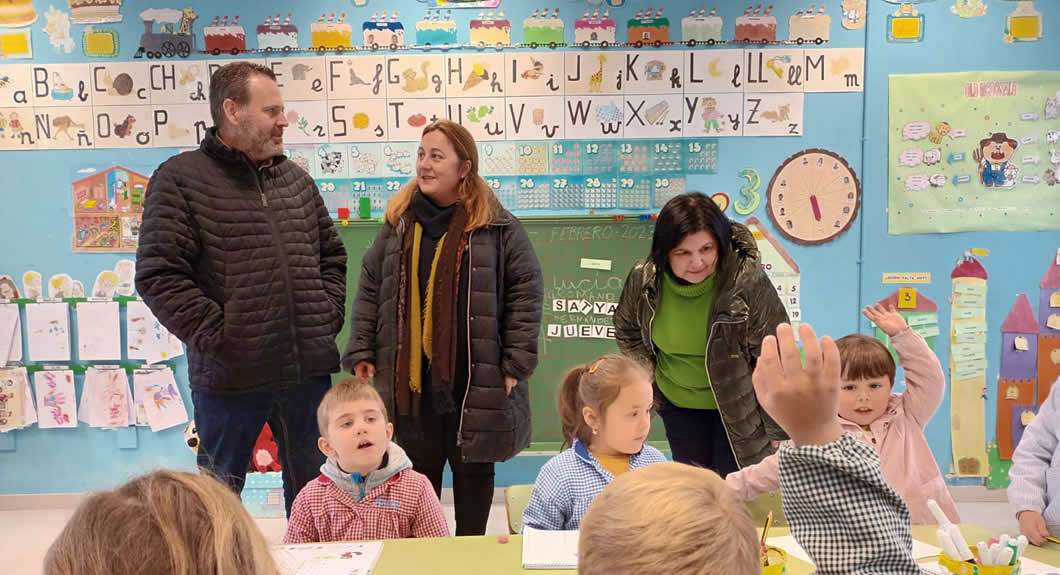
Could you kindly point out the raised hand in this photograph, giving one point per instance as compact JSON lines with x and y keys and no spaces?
{"x":887,"y":319}
{"x":804,"y":400}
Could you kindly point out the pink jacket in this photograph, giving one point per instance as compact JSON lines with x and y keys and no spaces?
{"x":908,"y":464}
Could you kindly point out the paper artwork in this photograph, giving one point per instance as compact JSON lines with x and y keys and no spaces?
{"x":10,"y":334}
{"x":56,"y":398}
{"x":106,"y":401}
{"x":98,"y":331}
{"x":32,"y":285}
{"x":48,"y":331}
{"x":12,"y":400}
{"x":126,"y":271}
{"x":147,"y":338}
{"x":162,"y":402}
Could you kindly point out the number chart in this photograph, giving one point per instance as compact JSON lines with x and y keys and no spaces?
{"x":637,"y":175}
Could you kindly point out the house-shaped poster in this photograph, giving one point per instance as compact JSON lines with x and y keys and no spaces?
{"x":781,"y":269}
{"x":1049,"y":331}
{"x":108,"y":208}
{"x":1016,"y":374}
{"x":920,"y":312}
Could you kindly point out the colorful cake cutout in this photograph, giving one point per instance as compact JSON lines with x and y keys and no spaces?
{"x":809,"y":26}
{"x":595,"y":29}
{"x":94,"y":11}
{"x":275,"y":34}
{"x":222,"y":37}
{"x":327,"y":33}
{"x":380,"y":31}
{"x":644,"y":28}
{"x":756,"y":26}
{"x":434,"y":30}
{"x":487,"y":30}
{"x":543,"y":30}
{"x":701,"y":28}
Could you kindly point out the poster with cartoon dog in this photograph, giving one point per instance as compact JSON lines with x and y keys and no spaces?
{"x":973,"y":151}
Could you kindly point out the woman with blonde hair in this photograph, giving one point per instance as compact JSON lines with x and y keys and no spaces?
{"x":446,"y":322}
{"x":162,"y":523}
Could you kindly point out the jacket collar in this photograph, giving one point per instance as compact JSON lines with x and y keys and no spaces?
{"x":739,"y":270}
{"x":359,"y":486}
{"x":581,"y":451}
{"x":213,"y":146}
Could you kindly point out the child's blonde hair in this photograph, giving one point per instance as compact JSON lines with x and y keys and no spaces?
{"x":864,"y":357}
{"x":668,"y":518}
{"x":352,"y":389}
{"x":163,"y":523}
{"x":595,"y":385}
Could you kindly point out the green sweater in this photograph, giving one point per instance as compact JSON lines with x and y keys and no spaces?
{"x":679,"y":333}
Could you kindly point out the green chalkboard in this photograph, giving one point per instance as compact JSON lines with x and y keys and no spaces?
{"x":561,"y":244}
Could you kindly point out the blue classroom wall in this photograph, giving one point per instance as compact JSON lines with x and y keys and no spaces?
{"x":1017,"y":260}
{"x":836,"y":278}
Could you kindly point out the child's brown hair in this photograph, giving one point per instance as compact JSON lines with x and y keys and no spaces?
{"x":864,"y":357}
{"x":595,"y":385}
{"x":164,"y":523}
{"x":352,"y":389}
{"x":668,"y":518}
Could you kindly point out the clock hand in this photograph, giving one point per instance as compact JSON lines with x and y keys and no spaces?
{"x":816,"y":208}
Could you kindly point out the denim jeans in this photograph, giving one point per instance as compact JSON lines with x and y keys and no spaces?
{"x":229,"y":425}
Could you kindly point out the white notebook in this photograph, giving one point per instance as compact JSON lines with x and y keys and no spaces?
{"x":550,"y":549}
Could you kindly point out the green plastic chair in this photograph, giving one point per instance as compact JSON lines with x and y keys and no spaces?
{"x":762,"y":505}
{"x":516,"y":498}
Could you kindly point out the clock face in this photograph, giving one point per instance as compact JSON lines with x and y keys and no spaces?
{"x":814,"y":197}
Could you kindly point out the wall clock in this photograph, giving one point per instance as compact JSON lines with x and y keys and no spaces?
{"x":813,"y":197}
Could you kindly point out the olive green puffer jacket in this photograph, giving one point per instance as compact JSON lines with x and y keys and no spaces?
{"x":746,"y":309}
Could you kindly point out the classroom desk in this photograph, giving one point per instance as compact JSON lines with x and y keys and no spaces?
{"x":485,"y":556}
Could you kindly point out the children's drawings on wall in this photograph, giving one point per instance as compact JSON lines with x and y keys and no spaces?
{"x":8,"y":288}
{"x":12,"y":398}
{"x":972,"y":152}
{"x":106,"y":401}
{"x":98,"y":331}
{"x":60,"y":286}
{"x":147,"y":339}
{"x":56,"y":398}
{"x":10,"y":334}
{"x":48,"y":331}
{"x":968,"y":364}
{"x":126,"y":272}
{"x":106,"y":285}
{"x":32,"y":285}
{"x":163,"y":405}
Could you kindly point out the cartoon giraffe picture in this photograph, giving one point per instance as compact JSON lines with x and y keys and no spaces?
{"x":597,"y":79}
{"x":188,"y":17}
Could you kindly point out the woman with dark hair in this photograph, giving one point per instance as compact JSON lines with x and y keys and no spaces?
{"x":696,"y":310}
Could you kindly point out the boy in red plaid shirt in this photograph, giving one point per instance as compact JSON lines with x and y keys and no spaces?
{"x":367,"y":488}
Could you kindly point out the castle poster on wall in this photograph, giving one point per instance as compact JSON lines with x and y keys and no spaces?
{"x":974,"y":151}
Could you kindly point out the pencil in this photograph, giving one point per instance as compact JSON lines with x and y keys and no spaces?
{"x":1053,"y":539}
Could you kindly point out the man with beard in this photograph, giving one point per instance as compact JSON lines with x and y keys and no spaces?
{"x":239,"y":259}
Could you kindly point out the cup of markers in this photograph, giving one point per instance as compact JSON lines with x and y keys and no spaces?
{"x":774,"y":561}
{"x":995,"y":557}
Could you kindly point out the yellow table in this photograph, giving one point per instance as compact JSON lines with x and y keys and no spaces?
{"x":486,"y":556}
